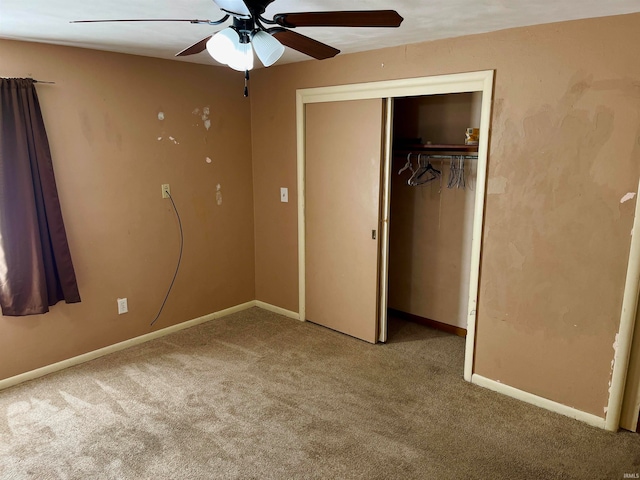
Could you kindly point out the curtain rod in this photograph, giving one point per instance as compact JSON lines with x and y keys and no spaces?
{"x":34,"y":80}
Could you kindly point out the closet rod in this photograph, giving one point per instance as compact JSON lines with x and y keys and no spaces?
{"x":449,"y":157}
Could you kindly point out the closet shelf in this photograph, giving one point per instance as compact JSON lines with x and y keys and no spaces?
{"x":434,"y":148}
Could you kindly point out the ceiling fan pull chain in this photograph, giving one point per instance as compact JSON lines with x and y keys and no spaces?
{"x":246,"y":83}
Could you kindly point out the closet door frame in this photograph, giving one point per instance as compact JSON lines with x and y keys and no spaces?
{"x":481,"y":81}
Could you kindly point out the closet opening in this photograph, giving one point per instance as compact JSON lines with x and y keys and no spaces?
{"x":431,"y":213}
{"x":346,"y":164}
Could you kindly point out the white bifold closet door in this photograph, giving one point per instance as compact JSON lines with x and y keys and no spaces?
{"x":343,"y":152}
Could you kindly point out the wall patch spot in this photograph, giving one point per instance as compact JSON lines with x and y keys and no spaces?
{"x":208,"y":160}
{"x":613,"y":361}
{"x":205,"y":116}
{"x":160,"y":115}
{"x":218,"y":194}
{"x":159,"y":138}
{"x":175,"y":142}
{"x":627,"y":197}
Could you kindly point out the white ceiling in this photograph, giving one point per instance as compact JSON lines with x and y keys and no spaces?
{"x":47,"y":21}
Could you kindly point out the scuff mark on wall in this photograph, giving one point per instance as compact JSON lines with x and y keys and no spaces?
{"x":627,"y":197}
{"x":496,"y":185}
{"x":218,"y":194}
{"x":517,"y":258}
{"x":112,"y":132}
{"x":175,"y":142}
{"x":160,"y":116}
{"x":87,"y":129}
{"x":208,"y":160}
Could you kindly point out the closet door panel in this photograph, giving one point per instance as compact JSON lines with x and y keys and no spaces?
{"x":342,"y":200}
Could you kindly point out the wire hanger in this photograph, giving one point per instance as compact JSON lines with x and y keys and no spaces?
{"x":424,"y":174}
{"x":408,"y":165}
{"x":456,"y":172}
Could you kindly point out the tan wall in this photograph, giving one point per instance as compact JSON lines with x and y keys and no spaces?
{"x":431,"y":225}
{"x":564,"y":150}
{"x":437,"y":118}
{"x":102,"y":121}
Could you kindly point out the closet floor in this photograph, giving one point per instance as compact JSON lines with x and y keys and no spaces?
{"x":400,"y":330}
{"x":427,"y":345}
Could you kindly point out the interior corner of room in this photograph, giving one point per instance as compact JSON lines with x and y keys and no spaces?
{"x":521,"y":243}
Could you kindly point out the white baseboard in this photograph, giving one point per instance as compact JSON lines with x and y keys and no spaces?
{"x":585,"y":417}
{"x":278,"y":310}
{"x":71,"y":362}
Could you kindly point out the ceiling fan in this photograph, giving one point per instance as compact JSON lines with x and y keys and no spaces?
{"x":251,"y":31}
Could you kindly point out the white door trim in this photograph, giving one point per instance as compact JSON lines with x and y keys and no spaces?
{"x":385,"y":213}
{"x":631,"y":399}
{"x":622,"y":344}
{"x":455,"y":83}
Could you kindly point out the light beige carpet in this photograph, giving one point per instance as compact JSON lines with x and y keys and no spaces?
{"x":256,"y":395}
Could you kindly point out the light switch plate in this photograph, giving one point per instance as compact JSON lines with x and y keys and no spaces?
{"x":122,"y":306}
{"x":284,"y":195}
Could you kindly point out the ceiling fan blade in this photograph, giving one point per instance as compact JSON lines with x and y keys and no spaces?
{"x":303,"y":44}
{"x":364,"y":18}
{"x":208,"y":22}
{"x":197,"y":47}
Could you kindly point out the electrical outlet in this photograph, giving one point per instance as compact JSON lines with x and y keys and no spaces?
{"x":166,"y":191}
{"x":284,"y":195}
{"x":122,"y":306}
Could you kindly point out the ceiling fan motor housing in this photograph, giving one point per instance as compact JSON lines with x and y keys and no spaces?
{"x":243,"y":9}
{"x":245,"y":28}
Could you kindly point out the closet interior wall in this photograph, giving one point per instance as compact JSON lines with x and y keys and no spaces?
{"x":431,"y":225}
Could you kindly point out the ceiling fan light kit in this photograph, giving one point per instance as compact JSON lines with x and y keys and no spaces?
{"x":242,"y":59}
{"x":267,"y":48}
{"x":221,"y":46}
{"x":234,"y":46}
{"x":227,"y":47}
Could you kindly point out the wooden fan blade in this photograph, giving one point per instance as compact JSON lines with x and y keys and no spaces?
{"x":363,"y":18}
{"x":303,"y":44}
{"x":208,"y":22}
{"x":195,"y":48}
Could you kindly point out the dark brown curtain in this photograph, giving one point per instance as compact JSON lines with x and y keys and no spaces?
{"x":36,"y":270}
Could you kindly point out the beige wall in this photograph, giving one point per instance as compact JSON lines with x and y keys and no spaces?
{"x":564,"y":150}
{"x":437,"y":118}
{"x":102,"y":121}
